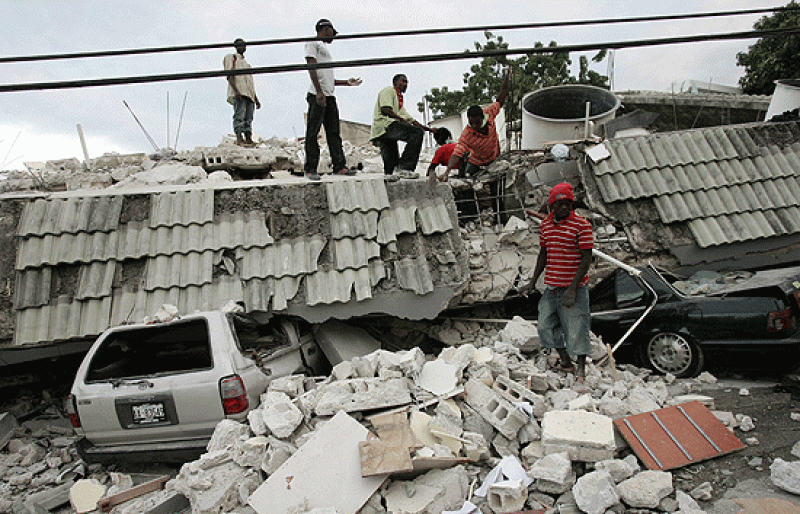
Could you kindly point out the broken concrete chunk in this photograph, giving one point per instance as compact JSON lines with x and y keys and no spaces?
{"x":586,"y":436}
{"x":84,"y":495}
{"x":507,"y":496}
{"x":786,"y":475}
{"x":646,"y":489}
{"x":438,"y":377}
{"x":553,"y":473}
{"x":618,"y":469}
{"x":281,"y":416}
{"x":292,"y":385}
{"x":521,"y":333}
{"x":255,"y":418}
{"x":595,"y":492}
{"x":498,"y":411}
{"x":226,"y":434}
{"x":250,"y":453}
{"x":435,"y":491}
{"x":362,"y":394}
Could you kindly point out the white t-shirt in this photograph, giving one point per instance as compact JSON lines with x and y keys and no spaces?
{"x":319,"y":51}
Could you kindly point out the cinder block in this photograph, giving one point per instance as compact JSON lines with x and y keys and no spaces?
{"x":499,"y":412}
{"x":516,"y":392}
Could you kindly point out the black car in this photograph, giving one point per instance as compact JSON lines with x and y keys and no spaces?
{"x":675,"y":331}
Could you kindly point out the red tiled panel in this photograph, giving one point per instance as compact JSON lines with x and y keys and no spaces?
{"x":668,"y":453}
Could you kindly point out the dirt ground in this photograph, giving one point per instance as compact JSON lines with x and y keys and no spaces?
{"x":770,"y":402}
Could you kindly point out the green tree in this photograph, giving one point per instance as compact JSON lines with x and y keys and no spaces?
{"x":531,"y":71}
{"x":772,"y":58}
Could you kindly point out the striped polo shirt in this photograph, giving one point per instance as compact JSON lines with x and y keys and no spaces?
{"x":482,"y":149}
{"x":563,"y":242}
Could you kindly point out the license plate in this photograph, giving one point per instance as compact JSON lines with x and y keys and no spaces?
{"x":147,"y":413}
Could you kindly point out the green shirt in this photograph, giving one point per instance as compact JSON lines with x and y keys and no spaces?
{"x":380,"y":122}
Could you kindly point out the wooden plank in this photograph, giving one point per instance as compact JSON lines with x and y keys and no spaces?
{"x":105,"y":504}
{"x":677,"y":436}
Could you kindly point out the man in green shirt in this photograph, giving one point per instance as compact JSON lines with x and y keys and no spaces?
{"x":392,"y":123}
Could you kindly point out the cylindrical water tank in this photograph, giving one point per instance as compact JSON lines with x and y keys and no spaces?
{"x":785,"y":98}
{"x":558,"y":113}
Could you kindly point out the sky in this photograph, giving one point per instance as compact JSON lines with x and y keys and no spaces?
{"x":42,"y":125}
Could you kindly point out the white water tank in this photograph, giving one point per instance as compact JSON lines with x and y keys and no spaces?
{"x":558,"y":113}
{"x":785,"y":98}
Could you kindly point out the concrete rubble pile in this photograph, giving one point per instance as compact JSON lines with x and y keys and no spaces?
{"x":484,"y":426}
{"x":189,"y":166}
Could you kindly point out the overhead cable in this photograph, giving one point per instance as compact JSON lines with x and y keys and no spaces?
{"x":366,"y":35}
{"x":752,"y":34}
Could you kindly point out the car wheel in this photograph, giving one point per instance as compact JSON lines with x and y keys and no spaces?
{"x":668,"y":352}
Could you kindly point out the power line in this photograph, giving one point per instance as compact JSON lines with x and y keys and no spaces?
{"x":752,"y":34}
{"x":366,"y":35}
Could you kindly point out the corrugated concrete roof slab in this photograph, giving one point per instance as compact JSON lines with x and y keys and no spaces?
{"x":120,"y":256}
{"x":728,"y":184}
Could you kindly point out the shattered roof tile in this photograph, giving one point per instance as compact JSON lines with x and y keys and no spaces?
{"x":414,"y":275}
{"x":354,"y":253}
{"x":327,"y":287}
{"x":70,"y":215}
{"x":720,"y":180}
{"x":64,"y":319}
{"x":433,"y":216}
{"x":292,"y":257}
{"x":181,"y":207}
{"x":357,"y":195}
{"x":354,"y":224}
{"x":136,"y":239}
{"x":192,"y":269}
{"x":131,"y":306}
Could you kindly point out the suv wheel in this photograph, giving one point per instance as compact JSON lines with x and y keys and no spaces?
{"x":668,"y":352}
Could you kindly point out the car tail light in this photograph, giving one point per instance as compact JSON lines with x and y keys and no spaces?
{"x":233,"y":394}
{"x":71,"y":407}
{"x":780,"y":320}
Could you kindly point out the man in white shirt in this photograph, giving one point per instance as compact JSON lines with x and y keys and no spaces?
{"x":322,"y":109}
{"x":241,"y":94}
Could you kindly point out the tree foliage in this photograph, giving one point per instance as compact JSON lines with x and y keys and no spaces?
{"x":531,"y":72}
{"x":772,"y":58}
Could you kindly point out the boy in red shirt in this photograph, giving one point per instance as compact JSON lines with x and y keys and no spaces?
{"x":565,"y":253}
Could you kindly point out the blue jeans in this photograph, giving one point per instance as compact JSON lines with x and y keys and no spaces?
{"x":399,"y":131}
{"x":560,"y":327}
{"x":243,"y":109}
{"x":318,"y":117}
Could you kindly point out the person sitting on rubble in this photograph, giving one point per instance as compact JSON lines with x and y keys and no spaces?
{"x":443,"y":138}
{"x":565,"y":254}
{"x":479,"y":144}
{"x":392,"y":123}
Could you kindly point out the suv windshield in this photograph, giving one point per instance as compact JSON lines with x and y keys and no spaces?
{"x":159,"y":349}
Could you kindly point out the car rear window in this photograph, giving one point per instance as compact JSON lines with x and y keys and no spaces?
{"x":159,"y":349}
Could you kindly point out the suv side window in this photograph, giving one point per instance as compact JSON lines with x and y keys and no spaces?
{"x":159,"y":349}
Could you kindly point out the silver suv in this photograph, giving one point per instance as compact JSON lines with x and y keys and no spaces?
{"x":157,"y":391}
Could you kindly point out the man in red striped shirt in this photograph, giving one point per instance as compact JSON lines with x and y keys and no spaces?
{"x":565,"y":253}
{"x":478,"y":143}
